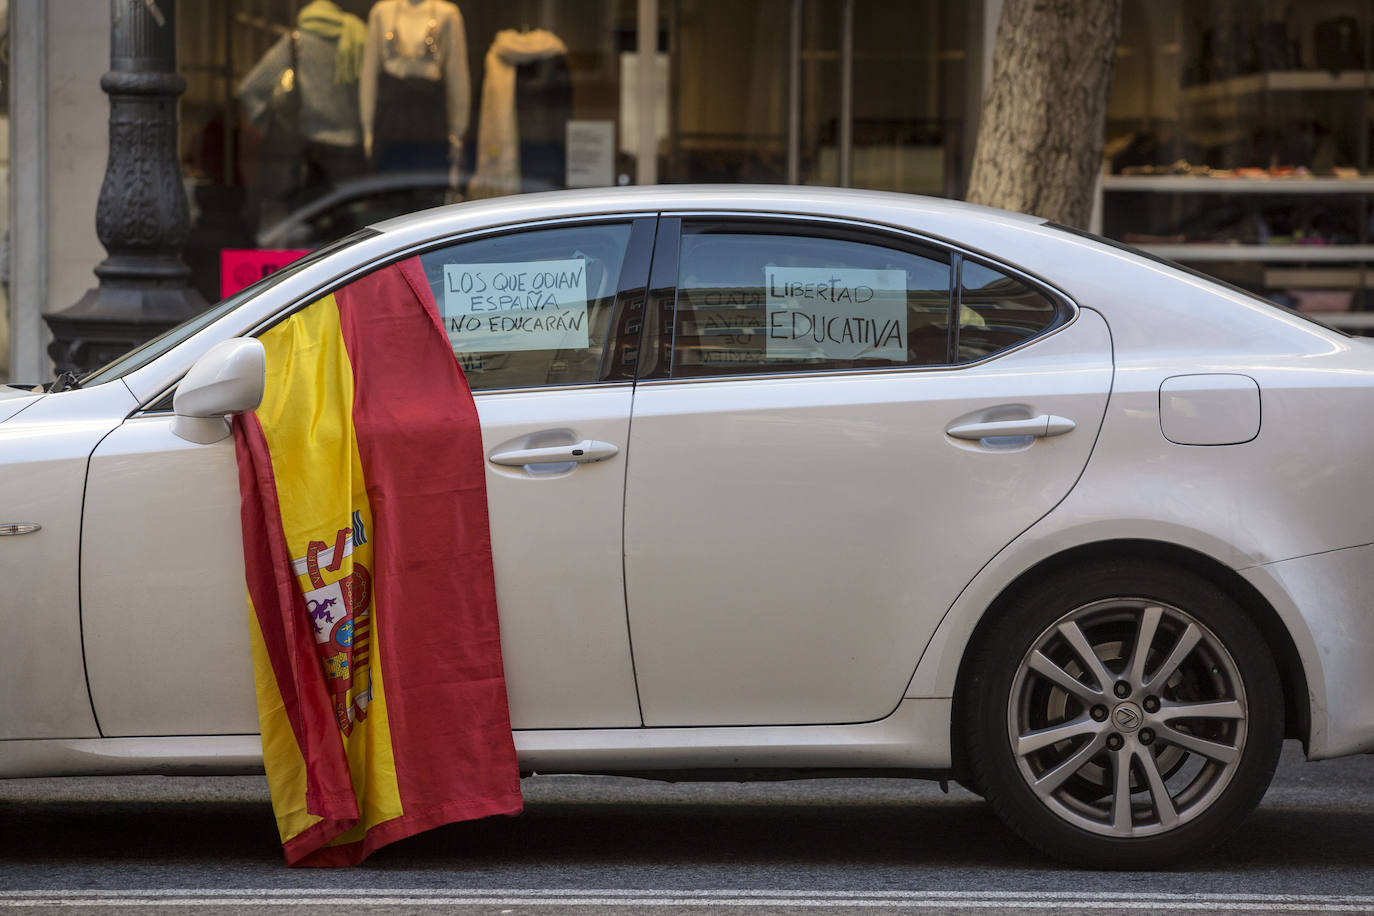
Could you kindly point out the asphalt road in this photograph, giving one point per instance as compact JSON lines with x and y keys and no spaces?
{"x":589,"y":844}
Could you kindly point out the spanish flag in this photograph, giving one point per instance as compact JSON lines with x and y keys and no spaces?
{"x":376,"y":647}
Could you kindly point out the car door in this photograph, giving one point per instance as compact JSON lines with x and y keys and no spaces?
{"x":163,"y":594}
{"x":841,"y":427}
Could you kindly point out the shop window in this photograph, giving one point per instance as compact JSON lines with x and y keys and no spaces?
{"x":303,"y":121}
{"x":752,"y":300}
{"x":736,"y":116}
{"x":997,"y":311}
{"x":1238,"y":143}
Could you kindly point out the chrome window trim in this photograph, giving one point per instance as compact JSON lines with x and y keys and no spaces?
{"x":1060,"y":297}
{"x":928,"y":238}
{"x":585,"y":386}
{"x":477,"y":395}
{"x":410,"y":250}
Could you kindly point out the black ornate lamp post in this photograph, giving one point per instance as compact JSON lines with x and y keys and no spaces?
{"x":141,"y":218}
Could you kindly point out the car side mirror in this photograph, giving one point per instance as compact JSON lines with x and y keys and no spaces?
{"x":228,"y":379}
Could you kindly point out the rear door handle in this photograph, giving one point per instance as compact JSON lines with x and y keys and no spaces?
{"x":584,"y":452}
{"x":1039,"y":427}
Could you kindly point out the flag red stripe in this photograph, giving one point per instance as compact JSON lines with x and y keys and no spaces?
{"x":288,"y":637}
{"x":439,"y":639}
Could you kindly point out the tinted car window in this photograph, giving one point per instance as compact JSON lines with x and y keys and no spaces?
{"x":997,"y":311}
{"x":532,"y":308}
{"x":769,"y":301}
{"x":145,"y":353}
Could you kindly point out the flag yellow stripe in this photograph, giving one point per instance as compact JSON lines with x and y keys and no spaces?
{"x":281,"y":756}
{"x":306,"y":418}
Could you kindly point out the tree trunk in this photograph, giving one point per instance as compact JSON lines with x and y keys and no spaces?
{"x":1040,"y":139}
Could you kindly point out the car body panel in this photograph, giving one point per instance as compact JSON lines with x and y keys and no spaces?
{"x":559,"y":586}
{"x":813,"y":530}
{"x":14,"y":400}
{"x":44,"y":452}
{"x":150,"y":494}
{"x":1285,"y":494}
{"x":556,"y":549}
{"x":914,"y":737}
{"x":1327,"y":597}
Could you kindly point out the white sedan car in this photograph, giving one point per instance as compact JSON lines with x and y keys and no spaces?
{"x":821,"y":482}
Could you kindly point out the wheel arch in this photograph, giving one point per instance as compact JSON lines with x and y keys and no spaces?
{"x":1293,"y":676}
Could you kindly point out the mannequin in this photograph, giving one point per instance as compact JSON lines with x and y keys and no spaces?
{"x":526,"y":103}
{"x":325,"y":147}
{"x":414,"y":95}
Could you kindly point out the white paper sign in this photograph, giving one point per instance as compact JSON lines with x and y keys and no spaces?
{"x":524,"y":305}
{"x":591,"y":154}
{"x":841,"y":313}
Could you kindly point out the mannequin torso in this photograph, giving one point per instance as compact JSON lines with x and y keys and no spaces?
{"x":411,"y":43}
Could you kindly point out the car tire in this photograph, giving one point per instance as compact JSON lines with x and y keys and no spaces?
{"x":1114,"y":775}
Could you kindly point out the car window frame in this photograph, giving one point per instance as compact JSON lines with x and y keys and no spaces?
{"x":154,"y":405}
{"x":659,"y":335}
{"x":630,"y":287}
{"x":957,"y":294}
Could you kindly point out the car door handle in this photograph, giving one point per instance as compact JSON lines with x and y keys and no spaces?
{"x":584,"y":452}
{"x":1039,"y":427}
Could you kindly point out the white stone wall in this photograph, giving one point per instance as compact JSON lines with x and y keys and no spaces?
{"x":58,"y":142}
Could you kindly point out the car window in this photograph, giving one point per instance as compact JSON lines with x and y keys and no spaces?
{"x":532,"y":308}
{"x":761,"y":300}
{"x":997,"y":311}
{"x":145,"y":353}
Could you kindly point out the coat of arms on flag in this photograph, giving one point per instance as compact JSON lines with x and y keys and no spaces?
{"x":340,"y":612}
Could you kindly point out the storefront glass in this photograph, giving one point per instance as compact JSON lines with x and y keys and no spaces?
{"x":909,"y":76}
{"x":1238,"y":142}
{"x":878,"y":100}
{"x":303,"y":121}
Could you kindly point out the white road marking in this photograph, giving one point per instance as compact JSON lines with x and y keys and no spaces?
{"x":1037,"y":900}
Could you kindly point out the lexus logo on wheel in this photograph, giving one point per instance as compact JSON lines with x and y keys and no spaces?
{"x":1127,"y":716}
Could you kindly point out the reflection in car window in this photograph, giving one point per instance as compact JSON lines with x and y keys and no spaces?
{"x":529,"y":309}
{"x":755,"y":301}
{"x":997,"y":311}
{"x":352,"y":215}
{"x":143,"y":355}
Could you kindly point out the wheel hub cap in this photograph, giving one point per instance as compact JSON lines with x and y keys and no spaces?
{"x":1128,"y":717}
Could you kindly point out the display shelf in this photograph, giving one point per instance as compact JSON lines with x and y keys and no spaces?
{"x":1193,"y":184}
{"x":1318,"y":277}
{"x":1280,"y":81}
{"x":1287,"y":253}
{"x":1345,"y":321}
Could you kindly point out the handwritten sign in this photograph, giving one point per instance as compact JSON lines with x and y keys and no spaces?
{"x":524,"y":305}
{"x":841,"y":313}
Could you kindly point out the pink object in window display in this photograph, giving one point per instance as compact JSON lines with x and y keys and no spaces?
{"x":240,"y":267}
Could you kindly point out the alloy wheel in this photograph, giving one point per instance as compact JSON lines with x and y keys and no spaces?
{"x":1127,"y":717}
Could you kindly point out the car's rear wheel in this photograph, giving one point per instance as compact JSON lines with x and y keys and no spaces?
{"x":1123,"y":715}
